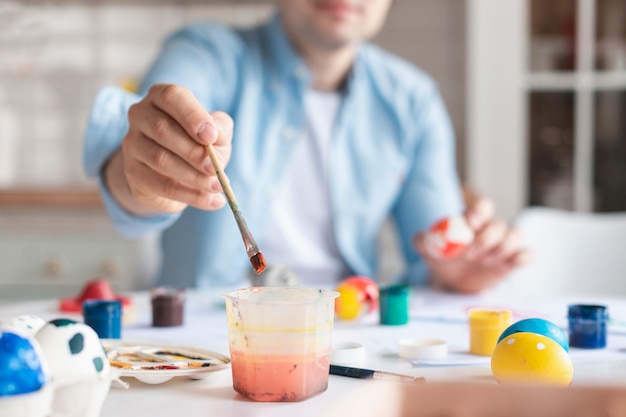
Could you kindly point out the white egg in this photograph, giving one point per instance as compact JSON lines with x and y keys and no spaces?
{"x":26,"y":323}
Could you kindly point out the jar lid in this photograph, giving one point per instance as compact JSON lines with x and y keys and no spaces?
{"x":587,"y":311}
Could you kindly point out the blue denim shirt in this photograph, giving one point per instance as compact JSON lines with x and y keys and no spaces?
{"x":392,"y":151}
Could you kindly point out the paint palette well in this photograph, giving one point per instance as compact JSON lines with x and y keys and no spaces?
{"x":155,"y":363}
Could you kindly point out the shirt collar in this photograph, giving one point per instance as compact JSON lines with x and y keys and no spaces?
{"x":288,"y":62}
{"x":285,"y":58}
{"x":356,"y":71}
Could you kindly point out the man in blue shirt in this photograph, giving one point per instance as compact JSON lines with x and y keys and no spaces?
{"x":323,"y":136}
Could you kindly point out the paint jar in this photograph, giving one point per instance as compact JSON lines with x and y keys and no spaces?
{"x":394,"y":304}
{"x":486,"y":326}
{"x":280,"y":340}
{"x":104,"y":316}
{"x":168,"y":306}
{"x":587,"y":326}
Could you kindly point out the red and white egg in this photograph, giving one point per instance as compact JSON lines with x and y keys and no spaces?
{"x":448,"y":237}
{"x":358,"y":295}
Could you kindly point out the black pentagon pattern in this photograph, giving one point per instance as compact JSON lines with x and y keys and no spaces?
{"x":77,"y":343}
{"x":62,"y":322}
{"x":98,"y":363}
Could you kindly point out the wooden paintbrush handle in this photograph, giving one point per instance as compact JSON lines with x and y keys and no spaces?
{"x":223,"y":178}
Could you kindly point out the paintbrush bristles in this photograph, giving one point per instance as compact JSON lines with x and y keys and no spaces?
{"x":258,"y":262}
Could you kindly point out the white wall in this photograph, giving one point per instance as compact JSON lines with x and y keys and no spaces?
{"x":55,"y":54}
{"x":431,"y":34}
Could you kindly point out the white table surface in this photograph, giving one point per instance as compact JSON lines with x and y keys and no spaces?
{"x":434,"y":315}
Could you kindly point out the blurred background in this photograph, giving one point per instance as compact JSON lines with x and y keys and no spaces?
{"x":536,"y":91}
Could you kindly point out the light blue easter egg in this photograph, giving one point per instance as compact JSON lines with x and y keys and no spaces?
{"x":538,"y":326}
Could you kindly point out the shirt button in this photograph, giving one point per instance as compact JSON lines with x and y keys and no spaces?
{"x":290,"y":133}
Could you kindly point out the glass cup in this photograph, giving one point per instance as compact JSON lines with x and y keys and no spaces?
{"x":486,"y":326}
{"x":280,"y":341}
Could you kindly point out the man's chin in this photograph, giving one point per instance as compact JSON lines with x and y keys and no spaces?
{"x":339,"y":39}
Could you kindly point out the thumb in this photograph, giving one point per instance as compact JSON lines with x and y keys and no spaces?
{"x":419,"y":244}
{"x":479,"y":212}
{"x":418,"y":241}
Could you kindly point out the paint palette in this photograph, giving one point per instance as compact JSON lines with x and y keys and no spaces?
{"x":154,"y":363}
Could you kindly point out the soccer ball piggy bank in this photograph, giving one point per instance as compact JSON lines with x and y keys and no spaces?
{"x":80,"y":370}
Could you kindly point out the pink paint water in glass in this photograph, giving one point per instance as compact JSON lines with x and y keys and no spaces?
{"x":280,"y":341}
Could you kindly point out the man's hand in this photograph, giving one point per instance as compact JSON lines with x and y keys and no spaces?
{"x":494,"y":252}
{"x":162,"y":165}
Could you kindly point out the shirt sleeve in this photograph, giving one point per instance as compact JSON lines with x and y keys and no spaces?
{"x":203,"y":58}
{"x":106,"y":127}
{"x":432,"y":188}
{"x":189,"y":57}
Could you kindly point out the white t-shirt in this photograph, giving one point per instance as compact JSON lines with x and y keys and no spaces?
{"x":299,"y":231}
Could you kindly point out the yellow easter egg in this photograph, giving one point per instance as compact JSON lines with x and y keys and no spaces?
{"x":349,"y":303}
{"x":526,"y":357}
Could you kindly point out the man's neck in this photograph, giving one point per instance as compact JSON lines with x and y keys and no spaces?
{"x":329,"y":66}
{"x":329,"y":69}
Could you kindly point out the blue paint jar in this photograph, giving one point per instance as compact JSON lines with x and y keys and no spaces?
{"x":587,"y":326}
{"x":105,"y":317}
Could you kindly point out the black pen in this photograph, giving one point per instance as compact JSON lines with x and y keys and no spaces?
{"x":371,"y":374}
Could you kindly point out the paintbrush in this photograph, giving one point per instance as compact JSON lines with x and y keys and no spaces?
{"x":371,"y":374}
{"x":252,"y":249}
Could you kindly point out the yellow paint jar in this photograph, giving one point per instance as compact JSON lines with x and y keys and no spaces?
{"x":486,"y":326}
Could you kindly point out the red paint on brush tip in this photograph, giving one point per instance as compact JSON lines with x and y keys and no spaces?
{"x":258,"y":262}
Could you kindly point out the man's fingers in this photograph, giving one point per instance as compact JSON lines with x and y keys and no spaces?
{"x":420,"y":244}
{"x":479,"y":213}
{"x":225,"y":125}
{"x":487,"y":239}
{"x":157,"y":125}
{"x":183,"y":107}
{"x":166,"y":163}
{"x":520,"y":258}
{"x":508,"y":246}
{"x":222,"y":145}
{"x":153,"y":184}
